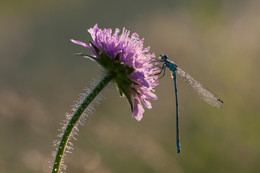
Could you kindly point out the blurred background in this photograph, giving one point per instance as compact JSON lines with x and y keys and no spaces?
{"x":216,"y":41}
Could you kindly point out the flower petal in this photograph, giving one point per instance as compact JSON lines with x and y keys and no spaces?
{"x":139,"y":77}
{"x":138,"y":110}
{"x":147,"y":103}
{"x":78,"y":42}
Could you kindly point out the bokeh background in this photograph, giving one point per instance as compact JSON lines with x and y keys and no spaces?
{"x":216,"y":41}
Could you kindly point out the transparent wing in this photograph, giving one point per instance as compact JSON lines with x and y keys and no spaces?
{"x":200,"y":90}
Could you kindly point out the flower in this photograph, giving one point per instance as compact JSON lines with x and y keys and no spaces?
{"x":132,"y":66}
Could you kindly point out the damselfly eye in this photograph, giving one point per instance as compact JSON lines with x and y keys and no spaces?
{"x":163,"y":57}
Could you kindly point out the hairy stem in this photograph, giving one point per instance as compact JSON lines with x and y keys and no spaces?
{"x":65,"y":138}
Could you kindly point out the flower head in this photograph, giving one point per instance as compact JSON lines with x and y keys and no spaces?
{"x":132,"y":66}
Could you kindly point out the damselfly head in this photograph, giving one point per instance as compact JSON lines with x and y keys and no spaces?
{"x":163,"y":57}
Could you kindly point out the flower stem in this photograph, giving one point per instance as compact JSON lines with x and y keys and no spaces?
{"x":65,"y":138}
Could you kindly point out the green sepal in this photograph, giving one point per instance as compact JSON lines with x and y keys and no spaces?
{"x":132,"y":88}
{"x":128,"y":95}
{"x":95,"y":47}
{"x":129,"y":70}
{"x":120,"y":91}
{"x":107,"y":62}
{"x":121,"y":77}
{"x":89,"y":57}
{"x":117,"y":58}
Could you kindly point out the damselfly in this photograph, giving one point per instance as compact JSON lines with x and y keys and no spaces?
{"x":197,"y":87}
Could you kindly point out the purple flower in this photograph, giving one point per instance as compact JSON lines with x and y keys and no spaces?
{"x":132,"y":66}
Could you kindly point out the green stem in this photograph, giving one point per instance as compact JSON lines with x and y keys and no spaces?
{"x":74,"y":119}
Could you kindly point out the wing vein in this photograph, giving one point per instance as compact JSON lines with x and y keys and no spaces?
{"x":201,"y":90}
